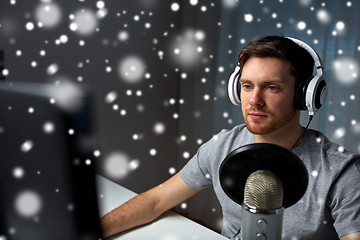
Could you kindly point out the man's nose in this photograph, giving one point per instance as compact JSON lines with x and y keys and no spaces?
{"x":256,"y":99}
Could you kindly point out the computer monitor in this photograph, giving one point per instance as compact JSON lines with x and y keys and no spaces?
{"x":2,"y":65}
{"x":47,"y":182}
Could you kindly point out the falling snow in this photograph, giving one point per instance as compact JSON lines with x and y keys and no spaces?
{"x":27,"y":146}
{"x":28,"y":203}
{"x":84,"y":22}
{"x":131,"y":69}
{"x":49,"y":14}
{"x":159,"y":75}
{"x":117,"y":165}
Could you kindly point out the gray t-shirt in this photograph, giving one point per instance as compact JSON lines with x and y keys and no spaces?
{"x":330,"y":207}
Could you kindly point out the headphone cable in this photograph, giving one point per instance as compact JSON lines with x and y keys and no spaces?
{"x":302,"y":135}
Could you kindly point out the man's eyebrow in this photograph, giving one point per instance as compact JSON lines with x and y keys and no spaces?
{"x":265,"y":82}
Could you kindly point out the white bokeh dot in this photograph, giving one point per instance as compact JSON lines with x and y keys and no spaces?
{"x":49,"y":14}
{"x":18,"y":172}
{"x":172,"y":170}
{"x":230,"y":3}
{"x":29,"y":26}
{"x":52,"y":69}
{"x":186,"y":155}
{"x":5,"y":72}
{"x":175,"y":7}
{"x":346,"y":70}
{"x":136,"y":18}
{"x":64,"y":38}
{"x":153,"y":152}
{"x":341,"y":149}
{"x":28,"y":203}
{"x":187,"y":47}
{"x":301,"y":25}
{"x":122,"y":112}
{"x":97,"y":153}
{"x":134,"y":164}
{"x":27,"y":146}
{"x":194,"y":2}
{"x":31,"y":110}
{"x":248,"y":17}
{"x":123,"y":35}
{"x":100,"y":4}
{"x":183,"y":138}
{"x":116,"y":165}
{"x":85,"y":22}
{"x":49,"y":127}
{"x":111,"y":97}
{"x":340,"y":26}
{"x":314,"y":173}
{"x":339,"y":132}
{"x":323,"y":16}
{"x":131,"y":69}
{"x":159,"y":128}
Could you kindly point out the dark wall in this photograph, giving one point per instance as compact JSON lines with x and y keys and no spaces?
{"x":148,"y":122}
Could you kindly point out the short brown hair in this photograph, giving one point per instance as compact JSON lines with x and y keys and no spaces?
{"x":280,"y":47}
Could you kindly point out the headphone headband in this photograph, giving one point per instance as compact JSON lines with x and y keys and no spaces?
{"x":315,"y":56}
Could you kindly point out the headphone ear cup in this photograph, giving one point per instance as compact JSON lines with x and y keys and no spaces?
{"x":300,"y":94}
{"x":238,"y":88}
{"x":234,"y":87}
{"x":321,"y":94}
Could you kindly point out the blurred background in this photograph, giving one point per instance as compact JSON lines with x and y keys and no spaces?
{"x":158,"y":71}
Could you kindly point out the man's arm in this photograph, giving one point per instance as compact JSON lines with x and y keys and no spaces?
{"x":147,"y":206}
{"x":352,"y":236}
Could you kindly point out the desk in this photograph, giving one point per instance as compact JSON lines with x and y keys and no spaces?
{"x":170,"y":226}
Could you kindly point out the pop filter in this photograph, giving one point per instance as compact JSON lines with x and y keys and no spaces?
{"x":243,"y":161}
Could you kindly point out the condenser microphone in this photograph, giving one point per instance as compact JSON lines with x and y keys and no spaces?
{"x":262,"y":208}
{"x":264,"y":179}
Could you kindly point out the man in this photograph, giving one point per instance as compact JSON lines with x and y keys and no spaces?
{"x":271,"y":70}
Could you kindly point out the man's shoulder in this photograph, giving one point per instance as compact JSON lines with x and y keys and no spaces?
{"x":329,"y":147}
{"x":328,"y":154}
{"x":316,"y":139}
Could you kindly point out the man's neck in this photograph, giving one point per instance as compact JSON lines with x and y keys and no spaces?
{"x":285,"y":137}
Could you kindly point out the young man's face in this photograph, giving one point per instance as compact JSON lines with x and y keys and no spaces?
{"x":267,"y":95}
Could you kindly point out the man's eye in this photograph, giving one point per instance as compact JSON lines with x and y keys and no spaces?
{"x":246,"y":87}
{"x":272,"y":88}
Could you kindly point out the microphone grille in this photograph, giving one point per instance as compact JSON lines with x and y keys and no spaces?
{"x":263,"y":190}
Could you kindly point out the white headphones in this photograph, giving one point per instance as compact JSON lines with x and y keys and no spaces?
{"x":309,"y":95}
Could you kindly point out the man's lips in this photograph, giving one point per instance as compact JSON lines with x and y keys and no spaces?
{"x":256,"y":115}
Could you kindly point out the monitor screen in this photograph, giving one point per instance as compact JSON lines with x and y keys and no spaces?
{"x":47,"y":183}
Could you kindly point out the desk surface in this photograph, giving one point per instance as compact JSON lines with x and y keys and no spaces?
{"x":170,"y":226}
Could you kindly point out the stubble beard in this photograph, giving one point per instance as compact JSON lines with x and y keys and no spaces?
{"x":268,"y":125}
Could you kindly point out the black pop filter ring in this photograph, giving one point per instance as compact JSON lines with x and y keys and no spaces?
{"x":243,"y":161}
